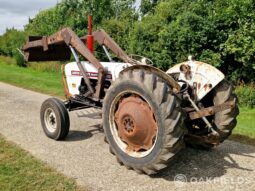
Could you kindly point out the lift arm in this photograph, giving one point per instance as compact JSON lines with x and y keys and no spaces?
{"x":103,"y":39}
{"x":56,"y":41}
{"x":56,"y":48}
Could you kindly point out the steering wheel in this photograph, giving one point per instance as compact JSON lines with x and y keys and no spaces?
{"x":141,"y":59}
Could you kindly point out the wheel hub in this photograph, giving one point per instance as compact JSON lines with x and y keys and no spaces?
{"x":50,"y":120}
{"x":128,"y":123}
{"x":136,"y":123}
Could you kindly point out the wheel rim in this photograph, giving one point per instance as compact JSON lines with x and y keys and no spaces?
{"x":50,"y":120}
{"x":133,"y":124}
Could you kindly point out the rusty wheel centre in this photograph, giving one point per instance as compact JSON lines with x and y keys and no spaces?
{"x":136,"y":124}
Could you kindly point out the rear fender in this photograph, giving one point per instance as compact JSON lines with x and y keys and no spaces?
{"x":204,"y":75}
{"x":167,"y":78}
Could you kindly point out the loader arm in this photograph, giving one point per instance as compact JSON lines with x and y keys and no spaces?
{"x":68,"y":37}
{"x":102,"y":38}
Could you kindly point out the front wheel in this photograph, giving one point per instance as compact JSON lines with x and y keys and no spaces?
{"x":143,"y":121}
{"x":54,"y":119}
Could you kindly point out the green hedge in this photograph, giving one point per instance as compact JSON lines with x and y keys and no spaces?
{"x":246,"y":95}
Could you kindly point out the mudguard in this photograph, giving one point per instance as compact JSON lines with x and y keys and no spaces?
{"x":204,"y":76}
{"x":167,"y":78}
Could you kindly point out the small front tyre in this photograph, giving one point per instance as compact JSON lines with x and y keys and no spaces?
{"x":54,"y":119}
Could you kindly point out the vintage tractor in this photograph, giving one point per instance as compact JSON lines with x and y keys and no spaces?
{"x":148,"y":115}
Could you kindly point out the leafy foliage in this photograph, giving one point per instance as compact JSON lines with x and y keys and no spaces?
{"x":46,"y":22}
{"x":10,"y":41}
{"x":217,"y":32}
{"x":73,"y":14}
{"x":246,"y":95}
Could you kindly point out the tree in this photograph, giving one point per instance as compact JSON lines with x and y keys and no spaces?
{"x":46,"y":22}
{"x":9,"y":42}
{"x":218,"y":32}
{"x":147,"y":6}
{"x":70,"y":13}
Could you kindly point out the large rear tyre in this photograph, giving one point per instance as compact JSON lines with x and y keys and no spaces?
{"x":224,"y":122}
{"x":54,"y":119}
{"x":143,"y":121}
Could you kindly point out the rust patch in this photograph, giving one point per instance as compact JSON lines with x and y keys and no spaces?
{"x":66,"y":91}
{"x":184,"y":68}
{"x":199,"y":86}
{"x":207,"y":86}
{"x":136,"y":124}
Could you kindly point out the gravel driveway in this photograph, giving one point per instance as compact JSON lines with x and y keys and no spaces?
{"x":84,"y":154}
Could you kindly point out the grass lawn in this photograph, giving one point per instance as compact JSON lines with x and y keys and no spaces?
{"x":245,"y":130}
{"x":20,"y":171}
{"x":45,"y":82}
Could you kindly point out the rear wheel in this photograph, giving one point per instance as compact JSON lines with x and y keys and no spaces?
{"x":142,"y":121}
{"x":54,"y":119}
{"x":224,"y":122}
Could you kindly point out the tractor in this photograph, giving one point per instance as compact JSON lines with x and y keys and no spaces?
{"x":148,"y":115}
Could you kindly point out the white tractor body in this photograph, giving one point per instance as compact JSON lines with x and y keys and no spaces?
{"x":74,"y":76}
{"x":204,"y":75}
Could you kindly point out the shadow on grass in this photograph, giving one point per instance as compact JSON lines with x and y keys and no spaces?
{"x":243,"y":139}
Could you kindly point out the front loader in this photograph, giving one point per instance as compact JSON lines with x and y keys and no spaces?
{"x":148,"y":115}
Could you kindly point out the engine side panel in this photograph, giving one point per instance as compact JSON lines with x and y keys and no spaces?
{"x":74,"y":76}
{"x":204,"y":75}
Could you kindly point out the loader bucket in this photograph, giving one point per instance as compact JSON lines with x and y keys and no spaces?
{"x":56,"y":52}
